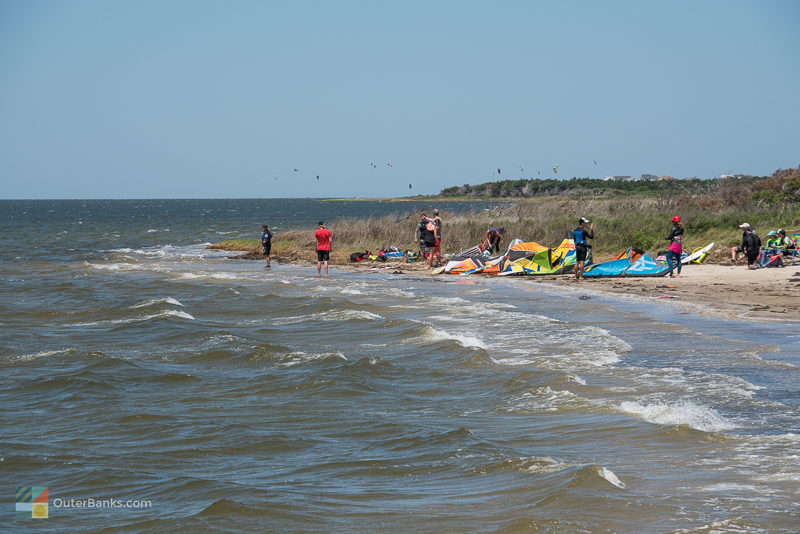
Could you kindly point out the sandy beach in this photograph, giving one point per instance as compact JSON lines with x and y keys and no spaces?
{"x":727,"y":291}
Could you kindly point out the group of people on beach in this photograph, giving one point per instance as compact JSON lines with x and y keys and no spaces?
{"x":429,"y":235}
{"x":778,"y":245}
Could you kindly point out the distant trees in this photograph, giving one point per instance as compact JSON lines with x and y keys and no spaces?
{"x":550,"y":186}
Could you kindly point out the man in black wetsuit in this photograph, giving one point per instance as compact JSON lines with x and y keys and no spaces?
{"x":751,"y":245}
{"x":266,"y":242}
{"x":580,"y":234}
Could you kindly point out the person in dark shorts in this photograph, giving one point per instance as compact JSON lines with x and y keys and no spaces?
{"x":324,"y":240}
{"x":580,"y":235}
{"x":266,"y":242}
{"x":751,"y":245}
{"x":432,"y":243}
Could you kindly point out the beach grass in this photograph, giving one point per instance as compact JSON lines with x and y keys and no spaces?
{"x":640,"y":221}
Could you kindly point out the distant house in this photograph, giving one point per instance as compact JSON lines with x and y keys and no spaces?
{"x":666,"y":178}
{"x":649,"y":177}
{"x":622,"y":178}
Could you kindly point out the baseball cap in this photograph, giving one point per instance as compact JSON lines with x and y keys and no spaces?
{"x":744,"y":225}
{"x":584,"y":220}
{"x":676,"y":219}
{"x":772,"y":232}
{"x":321,"y":223}
{"x":782,"y":231}
{"x":436,"y":212}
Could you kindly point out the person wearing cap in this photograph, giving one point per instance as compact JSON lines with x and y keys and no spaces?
{"x":266,"y":242}
{"x":675,"y":249}
{"x":750,"y":247}
{"x":772,"y":240}
{"x":580,"y":234}
{"x":324,"y":240}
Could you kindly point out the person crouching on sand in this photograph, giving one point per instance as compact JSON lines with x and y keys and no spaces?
{"x":675,"y":249}
{"x":750,"y":247}
{"x":492,"y":242}
{"x":580,"y":234}
{"x":324,"y":240}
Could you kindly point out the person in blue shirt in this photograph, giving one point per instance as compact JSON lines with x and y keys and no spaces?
{"x":266,"y":243}
{"x":580,"y":235}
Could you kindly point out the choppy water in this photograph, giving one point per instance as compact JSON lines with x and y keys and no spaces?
{"x":135,"y":364}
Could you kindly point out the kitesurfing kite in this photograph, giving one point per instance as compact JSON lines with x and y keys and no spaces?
{"x":498,"y":171}
{"x":409,"y":186}
{"x":555,"y":168}
{"x":318,"y":177}
{"x":296,"y":170}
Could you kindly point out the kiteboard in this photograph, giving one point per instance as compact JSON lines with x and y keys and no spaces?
{"x":698,"y":255}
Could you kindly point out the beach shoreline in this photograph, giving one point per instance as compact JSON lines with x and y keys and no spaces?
{"x":714,"y":290}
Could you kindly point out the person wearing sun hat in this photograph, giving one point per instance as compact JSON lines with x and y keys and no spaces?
{"x":675,"y":249}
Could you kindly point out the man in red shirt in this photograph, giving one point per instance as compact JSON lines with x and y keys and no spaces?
{"x":323,"y":237}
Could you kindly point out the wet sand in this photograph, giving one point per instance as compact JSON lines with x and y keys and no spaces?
{"x":728,"y":291}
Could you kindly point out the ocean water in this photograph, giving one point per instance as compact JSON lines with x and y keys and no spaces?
{"x":136,"y":365}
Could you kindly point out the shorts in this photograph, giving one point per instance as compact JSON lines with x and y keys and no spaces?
{"x":752,"y":257}
{"x":580,"y":252}
{"x":739,"y":250}
{"x":432,"y":246}
{"x":323,"y":255}
{"x":266,"y":248}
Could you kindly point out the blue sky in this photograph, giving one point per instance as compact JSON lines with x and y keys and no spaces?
{"x":173,"y":99}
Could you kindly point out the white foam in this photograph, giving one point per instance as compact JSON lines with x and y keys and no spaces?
{"x":545,"y":399}
{"x":296,"y":358}
{"x":352,"y":291}
{"x":167,"y":300}
{"x":686,"y":413}
{"x":434,"y":334}
{"x":114,"y":266}
{"x":213,"y":276}
{"x":609,"y":475}
{"x":164,"y":314}
{"x":36,"y":356}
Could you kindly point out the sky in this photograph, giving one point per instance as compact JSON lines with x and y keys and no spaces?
{"x":213,"y":99}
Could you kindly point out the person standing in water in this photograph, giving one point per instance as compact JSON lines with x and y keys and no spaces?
{"x":266,"y":242}
{"x":675,"y":250}
{"x":324,"y":240}
{"x":580,"y":235}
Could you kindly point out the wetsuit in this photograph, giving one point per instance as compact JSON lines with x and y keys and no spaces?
{"x":751,"y":245}
{"x":430,"y":236}
{"x":580,"y":234}
{"x":266,"y":242}
{"x":420,"y":233}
